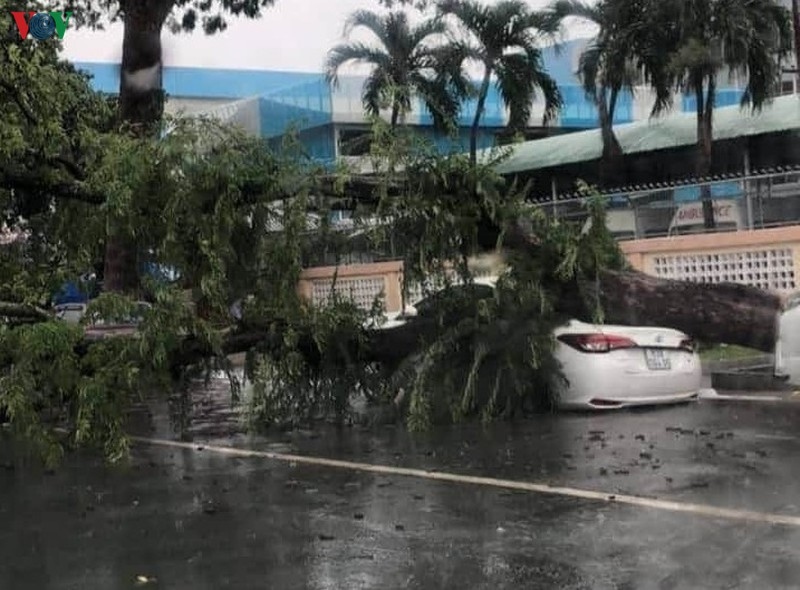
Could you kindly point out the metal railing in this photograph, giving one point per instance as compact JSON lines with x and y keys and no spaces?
{"x":755,"y":201}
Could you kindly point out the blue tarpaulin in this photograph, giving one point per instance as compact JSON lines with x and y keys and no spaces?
{"x":71,"y":293}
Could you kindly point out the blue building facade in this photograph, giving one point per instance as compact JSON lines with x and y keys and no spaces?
{"x":269,"y":103}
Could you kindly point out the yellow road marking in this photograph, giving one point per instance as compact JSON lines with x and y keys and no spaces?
{"x":701,"y":509}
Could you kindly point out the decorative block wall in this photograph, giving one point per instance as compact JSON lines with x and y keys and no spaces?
{"x":361,"y":283}
{"x":362,"y":291}
{"x":767,"y":258}
{"x":767,"y":269}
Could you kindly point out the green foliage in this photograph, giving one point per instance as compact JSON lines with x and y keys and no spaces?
{"x":490,"y":356}
{"x":232,"y":217}
{"x":44,"y":381}
{"x":292,"y":387}
{"x":504,"y":40}
{"x":50,"y":133}
{"x":436,"y":215}
{"x":601,"y":250}
{"x":179,"y":15}
{"x":405,"y":64}
{"x":225,"y":212}
{"x":749,"y":39}
{"x":688,"y":45}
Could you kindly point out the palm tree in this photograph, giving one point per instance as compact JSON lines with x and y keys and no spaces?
{"x":693,"y":42}
{"x":608,"y":63}
{"x":504,"y":39}
{"x":404,"y":64}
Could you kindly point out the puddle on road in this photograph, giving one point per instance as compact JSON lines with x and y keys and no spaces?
{"x":205,"y":411}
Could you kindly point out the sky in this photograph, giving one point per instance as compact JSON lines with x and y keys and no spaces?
{"x":293,"y":35}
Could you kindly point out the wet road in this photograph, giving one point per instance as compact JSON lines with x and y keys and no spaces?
{"x":201,"y":519}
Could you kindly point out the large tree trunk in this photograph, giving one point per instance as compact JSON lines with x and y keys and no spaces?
{"x":705,"y":138}
{"x":711,"y":313}
{"x":141,"y":106}
{"x":714,"y":313}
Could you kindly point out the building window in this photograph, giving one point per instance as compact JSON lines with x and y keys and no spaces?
{"x":787,"y":87}
{"x":354,"y":142}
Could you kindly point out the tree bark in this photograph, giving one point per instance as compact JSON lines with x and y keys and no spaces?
{"x":711,"y":313}
{"x":141,"y":107}
{"x":715,"y":313}
{"x":141,"y":96}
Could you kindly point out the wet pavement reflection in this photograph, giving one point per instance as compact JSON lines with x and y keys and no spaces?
{"x":197,"y":519}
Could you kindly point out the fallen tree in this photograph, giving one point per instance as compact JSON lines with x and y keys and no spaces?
{"x":719,"y":313}
{"x":231,"y":216}
{"x":715,"y":313}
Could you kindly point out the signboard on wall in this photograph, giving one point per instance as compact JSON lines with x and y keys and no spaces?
{"x":726,"y":212}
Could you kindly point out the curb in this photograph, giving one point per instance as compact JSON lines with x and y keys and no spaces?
{"x":734,"y":364}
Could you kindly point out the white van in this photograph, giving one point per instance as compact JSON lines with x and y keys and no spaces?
{"x":787,"y":348}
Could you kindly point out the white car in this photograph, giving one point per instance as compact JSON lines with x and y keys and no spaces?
{"x":787,"y":347}
{"x":611,"y":367}
{"x":72,"y":313}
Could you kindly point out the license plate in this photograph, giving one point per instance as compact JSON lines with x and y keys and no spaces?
{"x":657,"y":360}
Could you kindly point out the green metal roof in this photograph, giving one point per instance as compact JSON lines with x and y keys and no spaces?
{"x":671,"y":131}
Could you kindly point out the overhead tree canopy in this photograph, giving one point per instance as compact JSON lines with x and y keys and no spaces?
{"x":141,"y":96}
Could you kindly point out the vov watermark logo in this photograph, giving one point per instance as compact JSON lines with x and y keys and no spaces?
{"x":41,"y":25}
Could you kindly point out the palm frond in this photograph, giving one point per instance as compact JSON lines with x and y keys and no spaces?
{"x":577,"y":9}
{"x":429,"y":28}
{"x":589,"y":68}
{"x":507,"y":36}
{"x":439,"y":99}
{"x":516,"y":86}
{"x":376,"y":88}
{"x":448,"y":61}
{"x":369,"y":20}
{"x":703,"y":38}
{"x":771,"y":41}
{"x":519,"y":77}
{"x":353,"y":52}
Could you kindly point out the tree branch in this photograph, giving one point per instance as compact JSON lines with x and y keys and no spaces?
{"x":17,"y":98}
{"x":76,"y":171}
{"x":10,"y":309}
{"x":74,"y":191}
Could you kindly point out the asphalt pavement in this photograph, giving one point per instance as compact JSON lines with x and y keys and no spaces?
{"x":204,"y":516}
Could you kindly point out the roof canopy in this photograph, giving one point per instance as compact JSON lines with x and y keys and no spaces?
{"x":671,"y":131}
